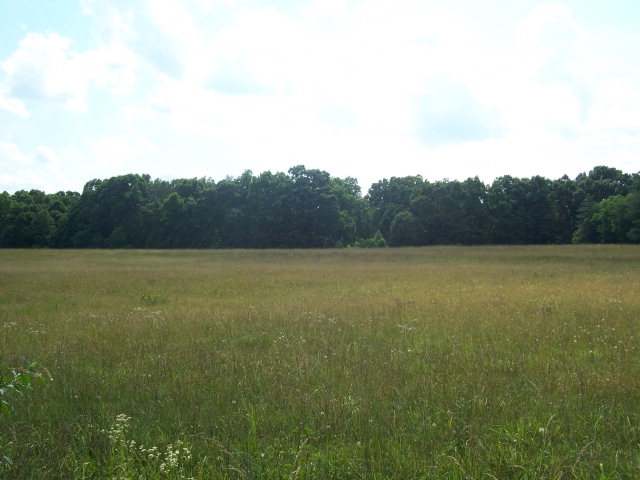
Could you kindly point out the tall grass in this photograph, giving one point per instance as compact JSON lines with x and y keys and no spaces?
{"x":447,"y":362}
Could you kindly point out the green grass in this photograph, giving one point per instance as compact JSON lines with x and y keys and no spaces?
{"x":447,"y":363}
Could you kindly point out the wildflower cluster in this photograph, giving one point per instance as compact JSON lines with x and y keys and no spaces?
{"x":132,"y":460}
{"x":118,"y":429}
{"x":173,"y":457}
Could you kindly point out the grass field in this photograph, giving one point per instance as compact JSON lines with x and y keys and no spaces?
{"x":443,"y":363}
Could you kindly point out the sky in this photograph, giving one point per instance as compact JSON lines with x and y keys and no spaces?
{"x":370,"y":89}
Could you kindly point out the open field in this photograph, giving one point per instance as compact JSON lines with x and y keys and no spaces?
{"x":443,"y":363}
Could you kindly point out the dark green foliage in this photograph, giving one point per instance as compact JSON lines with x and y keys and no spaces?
{"x":388,"y":198}
{"x":405,"y":230}
{"x":452,"y":212}
{"x":613,"y":220}
{"x":307,"y":208}
{"x":522,"y":211}
{"x":377,"y":241}
{"x":34,"y":219}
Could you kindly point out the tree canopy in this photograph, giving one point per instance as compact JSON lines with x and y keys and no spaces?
{"x":308,"y":208}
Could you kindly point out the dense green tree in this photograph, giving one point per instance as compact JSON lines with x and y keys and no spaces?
{"x":28,"y":220}
{"x":5,"y":217}
{"x":612,"y":220}
{"x":603,"y":182}
{"x":306,"y":208}
{"x":634,"y":202}
{"x":83,"y":226}
{"x":452,"y":212}
{"x":614,"y":217}
{"x":314,"y":209}
{"x":111,"y":213}
{"x":124,"y":220}
{"x":172,"y":223}
{"x":521,"y":211}
{"x":405,"y":230}
{"x":586,"y":231}
{"x":231,"y":228}
{"x":267,"y":210}
{"x":476,"y":221}
{"x":565,"y":204}
{"x":507,"y":218}
{"x":60,"y":205}
{"x":192,"y":208}
{"x":353,"y":221}
{"x":387,"y":198}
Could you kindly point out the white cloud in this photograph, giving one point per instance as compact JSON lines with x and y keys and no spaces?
{"x":365,"y":88}
{"x":617,"y":105}
{"x":173,"y":17}
{"x":11,"y":155}
{"x":43,"y":67}
{"x":370,"y":62}
{"x":113,"y":68}
{"x":543,"y":82}
{"x":45,"y":156}
{"x":451,"y":114}
{"x":269,"y":47}
{"x":24,"y":171}
{"x":113,"y":153}
{"x":112,"y":21}
{"x":12,"y":105}
{"x":160,"y":32}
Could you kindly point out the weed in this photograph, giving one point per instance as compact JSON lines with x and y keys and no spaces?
{"x":128,"y":459}
{"x":150,"y":299}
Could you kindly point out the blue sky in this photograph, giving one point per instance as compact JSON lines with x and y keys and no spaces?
{"x":364,"y":88}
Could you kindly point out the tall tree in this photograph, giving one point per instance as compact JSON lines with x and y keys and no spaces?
{"x":603,"y":182}
{"x":314,"y":208}
{"x":354,"y":222}
{"x":28,"y":220}
{"x":452,"y":212}
{"x":405,"y":230}
{"x":111,"y":213}
{"x":387,"y":198}
{"x":612,"y":220}
{"x":521,"y":211}
{"x":267,"y":210}
{"x":565,"y":204}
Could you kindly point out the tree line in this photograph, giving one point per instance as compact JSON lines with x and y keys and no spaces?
{"x":308,"y":208}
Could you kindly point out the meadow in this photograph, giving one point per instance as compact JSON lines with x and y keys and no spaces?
{"x":418,"y":363}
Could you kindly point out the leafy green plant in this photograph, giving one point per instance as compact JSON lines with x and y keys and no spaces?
{"x":377,"y":241}
{"x":14,"y":382}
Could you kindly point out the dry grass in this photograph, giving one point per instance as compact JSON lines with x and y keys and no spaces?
{"x":448,"y":362}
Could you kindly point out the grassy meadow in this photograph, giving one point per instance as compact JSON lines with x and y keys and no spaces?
{"x":426,"y":363}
